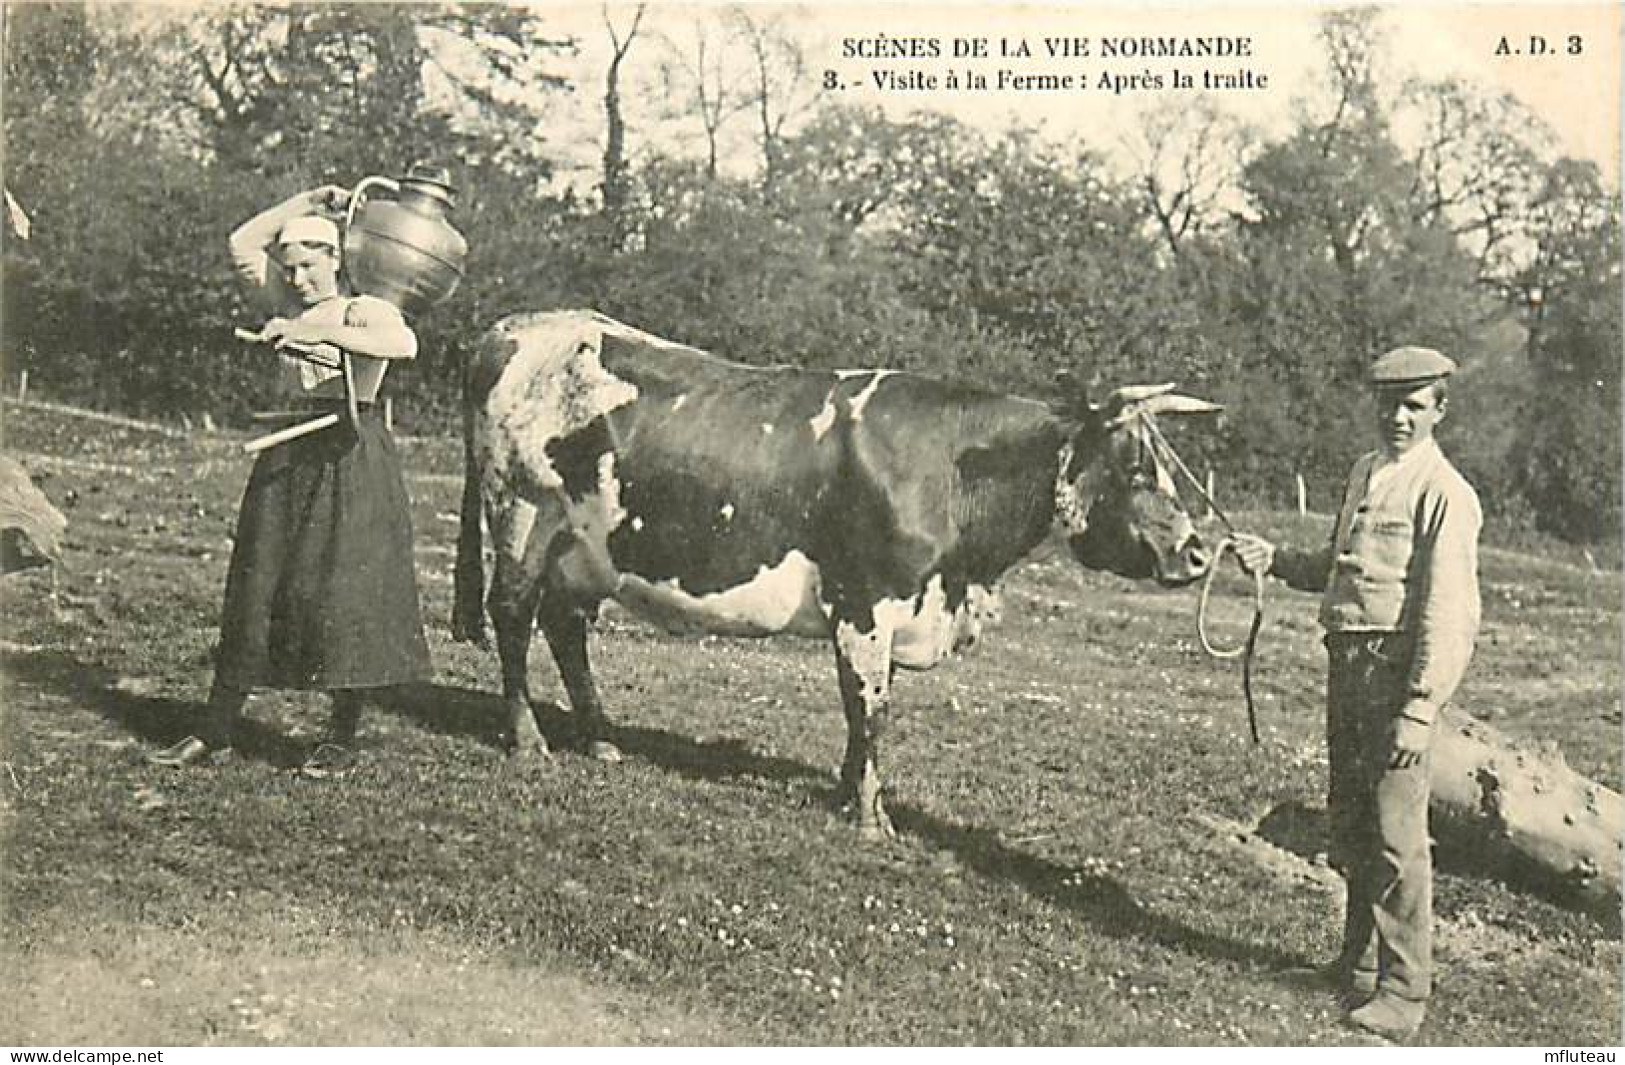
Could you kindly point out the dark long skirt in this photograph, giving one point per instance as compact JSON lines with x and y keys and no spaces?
{"x":321,"y":593}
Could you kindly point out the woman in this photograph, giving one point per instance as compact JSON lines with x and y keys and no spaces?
{"x":321,"y":592}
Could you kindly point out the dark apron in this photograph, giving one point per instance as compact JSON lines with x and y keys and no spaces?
{"x":321,"y":592}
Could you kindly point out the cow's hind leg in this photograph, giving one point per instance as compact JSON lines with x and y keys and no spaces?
{"x":516,"y":586}
{"x":566,"y":630}
{"x":863,"y":661}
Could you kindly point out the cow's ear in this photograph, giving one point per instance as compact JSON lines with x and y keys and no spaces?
{"x":1073,"y":393}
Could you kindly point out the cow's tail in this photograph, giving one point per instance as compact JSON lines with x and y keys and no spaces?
{"x":468,"y":581}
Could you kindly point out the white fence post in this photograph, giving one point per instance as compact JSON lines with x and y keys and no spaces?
{"x":1303,"y":496}
{"x":22,"y":387}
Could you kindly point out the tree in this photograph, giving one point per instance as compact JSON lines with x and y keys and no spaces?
{"x":50,"y":69}
{"x":730,"y":63}
{"x":617,"y":178}
{"x":1570,"y":463}
{"x":1356,"y":55}
{"x":238,"y":106}
{"x":780,"y":89}
{"x":287,"y":88}
{"x":869,"y":171}
{"x":97,"y":283}
{"x":1042,"y":243}
{"x":1188,"y":160}
{"x":698,"y":79}
{"x":1477,"y":169}
{"x":1338,"y":264}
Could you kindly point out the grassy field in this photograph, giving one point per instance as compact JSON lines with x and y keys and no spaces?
{"x":1091,"y":850}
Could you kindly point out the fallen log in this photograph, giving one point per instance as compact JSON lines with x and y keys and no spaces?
{"x":1500,"y":810}
{"x":30,"y":527}
{"x":1525,"y":814}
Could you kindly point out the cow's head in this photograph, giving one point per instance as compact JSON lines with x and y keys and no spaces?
{"x":1116,"y":493}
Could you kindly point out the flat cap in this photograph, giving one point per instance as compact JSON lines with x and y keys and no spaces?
{"x":1410,"y":366}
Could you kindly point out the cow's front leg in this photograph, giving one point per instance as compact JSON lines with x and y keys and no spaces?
{"x":565,"y":627}
{"x":863,"y":662}
{"x":516,"y":585}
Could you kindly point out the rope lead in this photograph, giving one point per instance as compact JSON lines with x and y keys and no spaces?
{"x":1248,"y":648}
{"x":1165,"y":451}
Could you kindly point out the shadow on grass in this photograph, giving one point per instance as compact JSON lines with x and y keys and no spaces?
{"x":1101,"y":901}
{"x":480,"y":716}
{"x":449,"y":711}
{"x":718,"y":759}
{"x":1459,"y":849}
{"x":158,"y":720}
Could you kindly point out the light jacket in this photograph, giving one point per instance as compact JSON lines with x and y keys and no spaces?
{"x":1403,"y":557}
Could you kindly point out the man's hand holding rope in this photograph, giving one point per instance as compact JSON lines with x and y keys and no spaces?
{"x":1255,"y":554}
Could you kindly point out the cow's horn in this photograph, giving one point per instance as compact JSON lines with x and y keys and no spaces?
{"x":1122,"y":397}
{"x":1177,"y":404}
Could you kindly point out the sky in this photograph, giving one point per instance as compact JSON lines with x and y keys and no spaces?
{"x":1578,"y":95}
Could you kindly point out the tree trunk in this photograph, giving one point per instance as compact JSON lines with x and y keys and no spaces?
{"x":617,"y":176}
{"x":1526,"y":813}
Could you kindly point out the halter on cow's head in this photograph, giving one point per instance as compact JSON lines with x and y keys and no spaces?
{"x":1116,"y":493}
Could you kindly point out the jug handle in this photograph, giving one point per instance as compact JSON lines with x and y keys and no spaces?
{"x":356,"y":196}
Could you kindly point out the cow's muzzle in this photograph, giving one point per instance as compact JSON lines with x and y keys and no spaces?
{"x":1189,"y":562}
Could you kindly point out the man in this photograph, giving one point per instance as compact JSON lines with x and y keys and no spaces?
{"x":1401,"y":612}
{"x":321,"y":593}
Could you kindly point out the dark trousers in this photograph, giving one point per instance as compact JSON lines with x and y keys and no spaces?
{"x":1379,"y":816}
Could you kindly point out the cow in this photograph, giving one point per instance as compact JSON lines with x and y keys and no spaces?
{"x":874,"y":508}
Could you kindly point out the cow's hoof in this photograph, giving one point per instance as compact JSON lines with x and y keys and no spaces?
{"x":533,"y":751}
{"x":876,"y":827}
{"x":604,"y":751}
{"x":877,"y":832}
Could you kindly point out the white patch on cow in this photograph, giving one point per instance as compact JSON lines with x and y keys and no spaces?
{"x":982,"y":608}
{"x":511,"y":535}
{"x":727,"y":512}
{"x":552,"y":386}
{"x":870,"y":653}
{"x":862,"y":399}
{"x":925,"y":631}
{"x":782,"y":598}
{"x":637,"y":524}
{"x":677,"y":404}
{"x":824,"y":420}
{"x":609,"y":490}
{"x":1070,"y":507}
{"x":583,"y":561}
